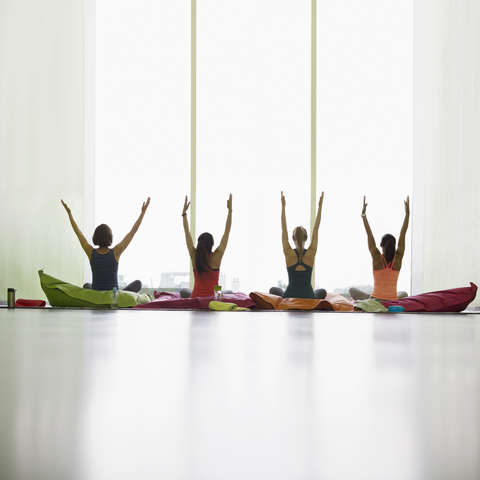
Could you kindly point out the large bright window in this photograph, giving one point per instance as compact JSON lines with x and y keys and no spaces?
{"x":253,"y":136}
{"x":142,"y":98}
{"x":253,"y":132}
{"x":364,"y":133}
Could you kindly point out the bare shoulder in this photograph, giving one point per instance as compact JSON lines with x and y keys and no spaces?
{"x":215,"y":259}
{"x":88,"y":249}
{"x":309,"y":257}
{"x":376,"y":259}
{"x":291,"y":257}
{"x":397,"y":264}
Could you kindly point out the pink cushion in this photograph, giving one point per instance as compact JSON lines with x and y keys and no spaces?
{"x":24,"y":302}
{"x":453,"y":300}
{"x":174,"y":301}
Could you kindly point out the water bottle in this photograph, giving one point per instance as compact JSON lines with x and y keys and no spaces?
{"x":217,"y":292}
{"x":11,"y":297}
{"x":114,"y":296}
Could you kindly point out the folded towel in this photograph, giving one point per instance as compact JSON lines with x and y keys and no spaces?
{"x":225,"y":306}
{"x":369,"y":305}
{"x":22,"y":302}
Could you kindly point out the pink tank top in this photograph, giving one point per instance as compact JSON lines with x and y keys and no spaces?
{"x":385,"y":281}
{"x":204,"y":283}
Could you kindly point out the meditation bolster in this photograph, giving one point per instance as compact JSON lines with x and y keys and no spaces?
{"x":332,"y":302}
{"x":172,"y":300}
{"x":452,"y":300}
{"x":63,"y":294}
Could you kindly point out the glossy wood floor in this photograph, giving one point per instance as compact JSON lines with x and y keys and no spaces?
{"x":113,"y":395}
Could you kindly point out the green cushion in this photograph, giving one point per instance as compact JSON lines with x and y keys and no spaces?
{"x":63,"y":294}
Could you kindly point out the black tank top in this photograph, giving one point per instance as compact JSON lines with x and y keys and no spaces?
{"x":104,"y":270}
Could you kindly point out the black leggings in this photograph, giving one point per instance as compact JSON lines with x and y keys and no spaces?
{"x":134,"y":286}
{"x":320,"y":293}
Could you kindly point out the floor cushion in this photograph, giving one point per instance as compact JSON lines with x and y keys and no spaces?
{"x":173,"y":300}
{"x":63,"y":294}
{"x":332,"y":302}
{"x":25,"y":302}
{"x":452,"y":300}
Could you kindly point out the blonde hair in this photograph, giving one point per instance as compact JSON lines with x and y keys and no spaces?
{"x":300,"y":236}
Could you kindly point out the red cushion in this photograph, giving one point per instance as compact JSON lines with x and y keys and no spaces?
{"x":453,"y":300}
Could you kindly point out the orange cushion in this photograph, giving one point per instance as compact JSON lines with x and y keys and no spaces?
{"x":333,"y":301}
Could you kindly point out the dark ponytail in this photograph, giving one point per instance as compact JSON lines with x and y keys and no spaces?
{"x":388,"y":244}
{"x":204,"y":249}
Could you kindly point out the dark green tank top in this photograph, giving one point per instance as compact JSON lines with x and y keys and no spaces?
{"x":299,"y":281}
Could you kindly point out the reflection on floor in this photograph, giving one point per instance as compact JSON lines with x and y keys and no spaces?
{"x":238,"y":395}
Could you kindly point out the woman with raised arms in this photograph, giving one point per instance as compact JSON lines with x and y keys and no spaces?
{"x":386,"y":265}
{"x":104,"y":260}
{"x":300,"y":260}
{"x":205,"y":262}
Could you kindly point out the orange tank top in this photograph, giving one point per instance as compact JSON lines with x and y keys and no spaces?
{"x":385,"y":281}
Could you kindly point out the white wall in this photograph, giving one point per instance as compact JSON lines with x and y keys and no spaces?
{"x":447,"y":145}
{"x":41,"y":141}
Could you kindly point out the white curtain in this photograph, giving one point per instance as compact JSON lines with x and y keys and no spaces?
{"x":41,"y":141}
{"x":447,"y":145}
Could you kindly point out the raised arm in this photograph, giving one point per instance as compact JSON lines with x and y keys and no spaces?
{"x":372,"y":247}
{"x":217,"y":255}
{"x":186,"y":228}
{"x":83,"y":241}
{"x":121,"y":247}
{"x":314,"y":242}
{"x":285,"y":243}
{"x":401,"y":239}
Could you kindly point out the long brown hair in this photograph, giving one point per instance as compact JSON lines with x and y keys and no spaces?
{"x":300,"y":236}
{"x":388,"y":244}
{"x":204,"y":249}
